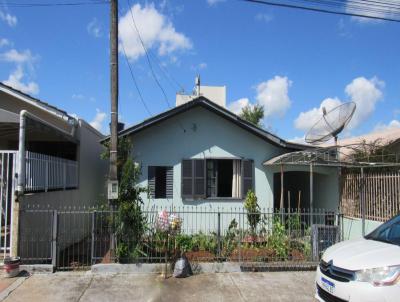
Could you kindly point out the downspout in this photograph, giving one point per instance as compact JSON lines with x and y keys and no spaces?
{"x":22,"y":149}
{"x":21,"y":154}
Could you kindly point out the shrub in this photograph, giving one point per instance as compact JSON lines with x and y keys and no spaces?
{"x":230,"y":240}
{"x":253,"y":210}
{"x":278,"y":240}
{"x":184,"y":242}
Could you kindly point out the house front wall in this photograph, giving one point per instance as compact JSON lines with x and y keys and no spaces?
{"x":198,"y":134}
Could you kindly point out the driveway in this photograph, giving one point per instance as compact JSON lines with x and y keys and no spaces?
{"x":273,"y":286}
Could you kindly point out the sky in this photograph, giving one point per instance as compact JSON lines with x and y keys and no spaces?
{"x":293,"y":62}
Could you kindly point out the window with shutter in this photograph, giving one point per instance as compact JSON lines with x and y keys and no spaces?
{"x":214,"y":178}
{"x":151,"y":175}
{"x":199,"y":178}
{"x":187,"y":178}
{"x":170,"y":182}
{"x":160,"y":182}
{"x":247,"y":176}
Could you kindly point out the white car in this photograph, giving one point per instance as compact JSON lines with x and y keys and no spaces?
{"x":363,"y":270}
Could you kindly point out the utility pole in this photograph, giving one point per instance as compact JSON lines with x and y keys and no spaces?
{"x":113,"y":172}
{"x":113,"y":176}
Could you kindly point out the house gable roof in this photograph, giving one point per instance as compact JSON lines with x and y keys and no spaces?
{"x":31,"y":100}
{"x":221,"y":111}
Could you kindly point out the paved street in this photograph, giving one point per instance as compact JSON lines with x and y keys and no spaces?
{"x":276,"y":286}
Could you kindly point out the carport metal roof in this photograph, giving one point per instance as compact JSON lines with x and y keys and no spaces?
{"x":330,"y":156}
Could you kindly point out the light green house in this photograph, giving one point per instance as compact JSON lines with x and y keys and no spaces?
{"x":201,"y":154}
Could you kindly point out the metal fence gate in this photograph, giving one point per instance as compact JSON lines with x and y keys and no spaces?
{"x":78,"y":237}
{"x":7,"y":188}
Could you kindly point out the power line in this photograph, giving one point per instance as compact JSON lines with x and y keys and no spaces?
{"x":53,"y":4}
{"x":379,"y":10}
{"x":167,"y":74}
{"x":147,"y":56}
{"x":134,"y":81}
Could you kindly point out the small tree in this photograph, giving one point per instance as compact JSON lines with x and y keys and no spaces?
{"x":253,"y":210}
{"x":253,"y":114}
{"x":130,"y":223}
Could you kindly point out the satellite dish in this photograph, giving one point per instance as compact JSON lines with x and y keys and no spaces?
{"x":331,"y":123}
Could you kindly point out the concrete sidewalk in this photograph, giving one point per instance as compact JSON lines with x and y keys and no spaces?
{"x":277,"y":286}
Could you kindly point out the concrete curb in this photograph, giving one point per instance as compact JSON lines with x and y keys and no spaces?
{"x":139,"y":268}
{"x":152,"y":268}
{"x":13,"y":286}
{"x":200,"y":267}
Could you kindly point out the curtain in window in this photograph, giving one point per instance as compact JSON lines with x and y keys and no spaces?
{"x":237,"y":179}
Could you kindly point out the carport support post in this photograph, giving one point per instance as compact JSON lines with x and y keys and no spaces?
{"x":362,"y":201}
{"x":311,"y":193}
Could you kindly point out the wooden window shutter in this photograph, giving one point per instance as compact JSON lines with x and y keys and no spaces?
{"x":199,"y":178}
{"x":187,"y":179}
{"x":247,"y":176}
{"x":151,"y":179}
{"x":170,"y":182}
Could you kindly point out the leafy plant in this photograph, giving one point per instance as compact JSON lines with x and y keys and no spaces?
{"x":184,"y":242}
{"x":230,"y":240}
{"x":204,"y":242}
{"x":278,"y":240}
{"x":293,"y":223}
{"x":253,"y":210}
{"x":129,"y":222}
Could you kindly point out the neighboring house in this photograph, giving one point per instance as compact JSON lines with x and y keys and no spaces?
{"x":47,"y":158}
{"x":201,"y":154}
{"x":390,"y":138}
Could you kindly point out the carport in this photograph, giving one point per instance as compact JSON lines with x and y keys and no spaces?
{"x":312,"y":178}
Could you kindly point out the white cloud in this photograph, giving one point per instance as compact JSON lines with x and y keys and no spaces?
{"x":14,"y":56}
{"x":264,"y":17}
{"x":273,"y":95}
{"x":15,"y":80}
{"x":214,"y":2}
{"x":298,"y":140}
{"x":202,"y":65}
{"x":77,"y":96}
{"x":365,"y":93}
{"x":307,"y":119}
{"x":237,"y":106}
{"x":82,"y":97}
{"x":94,"y":28}
{"x":155,"y":30}
{"x":394,"y":124}
{"x":8,"y":18}
{"x":4,"y":42}
{"x":98,"y":120}
{"x":199,"y":66}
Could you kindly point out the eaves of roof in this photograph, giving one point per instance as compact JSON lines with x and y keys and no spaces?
{"x":221,"y":111}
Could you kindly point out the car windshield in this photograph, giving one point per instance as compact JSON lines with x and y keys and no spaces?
{"x":388,"y":232}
